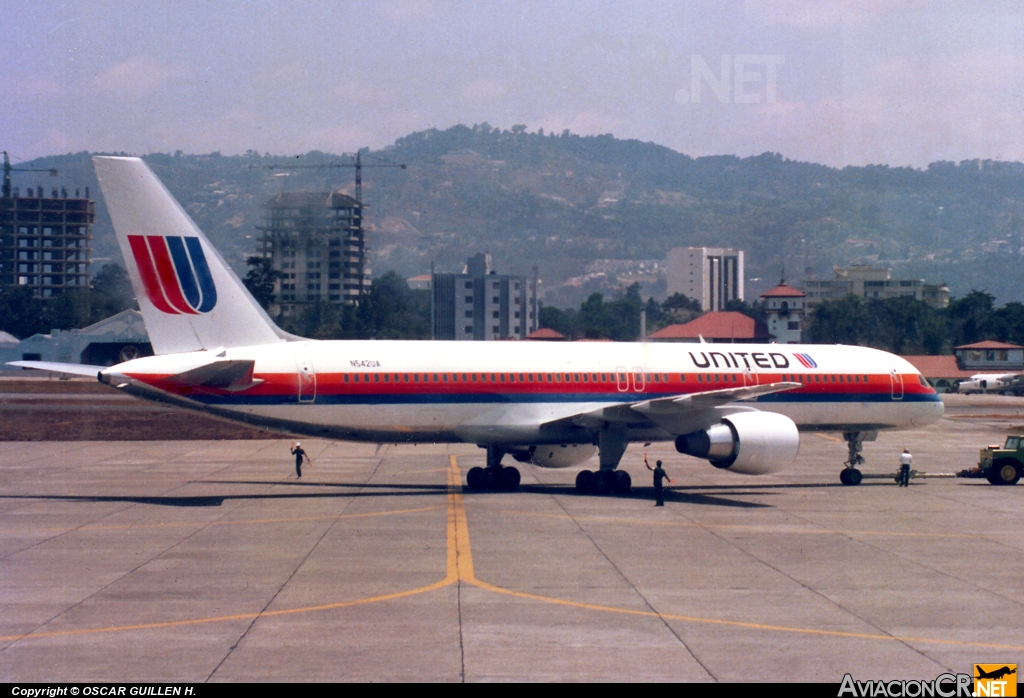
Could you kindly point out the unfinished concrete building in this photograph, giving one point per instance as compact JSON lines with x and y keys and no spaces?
{"x":315,"y":241}
{"x":45,"y":241}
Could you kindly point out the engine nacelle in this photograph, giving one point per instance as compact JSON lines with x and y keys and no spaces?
{"x":561,"y":455}
{"x":752,"y":443}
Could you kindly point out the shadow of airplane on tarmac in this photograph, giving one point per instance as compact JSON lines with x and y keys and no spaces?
{"x":705,"y":495}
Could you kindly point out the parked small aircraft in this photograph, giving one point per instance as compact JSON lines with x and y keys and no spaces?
{"x":1007,"y":383}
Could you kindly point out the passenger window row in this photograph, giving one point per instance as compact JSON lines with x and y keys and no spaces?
{"x":823,"y":378}
{"x":505,"y":378}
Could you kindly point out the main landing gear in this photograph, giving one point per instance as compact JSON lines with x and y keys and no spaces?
{"x":603,"y":482}
{"x":611,"y":444}
{"x":495,"y":477}
{"x":850,"y":475}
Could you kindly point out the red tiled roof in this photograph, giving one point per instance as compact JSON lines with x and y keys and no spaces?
{"x":990,"y":344}
{"x":938,"y":366}
{"x":716,"y":325}
{"x":784,"y":290}
{"x":545,"y":333}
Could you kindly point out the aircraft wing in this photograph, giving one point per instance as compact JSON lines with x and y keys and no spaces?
{"x":55,"y":367}
{"x":673,"y":410}
{"x":710,"y":398}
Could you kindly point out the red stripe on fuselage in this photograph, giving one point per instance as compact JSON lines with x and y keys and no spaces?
{"x":364,"y":384}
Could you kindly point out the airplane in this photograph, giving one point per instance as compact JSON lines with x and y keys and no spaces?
{"x":993,"y":383}
{"x":995,"y":674}
{"x":739,"y":406}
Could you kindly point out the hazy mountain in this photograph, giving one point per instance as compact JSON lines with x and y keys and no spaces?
{"x":562,"y":201}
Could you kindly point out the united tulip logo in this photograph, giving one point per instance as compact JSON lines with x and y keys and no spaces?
{"x":806,"y":360}
{"x":174,"y":273}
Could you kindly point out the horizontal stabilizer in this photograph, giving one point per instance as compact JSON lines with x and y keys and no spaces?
{"x":232,"y":376}
{"x":55,"y":367}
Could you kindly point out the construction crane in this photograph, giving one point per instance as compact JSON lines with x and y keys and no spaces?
{"x":357,"y":163}
{"x":8,"y":169}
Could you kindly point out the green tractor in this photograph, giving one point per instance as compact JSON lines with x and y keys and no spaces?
{"x":1003,"y":466}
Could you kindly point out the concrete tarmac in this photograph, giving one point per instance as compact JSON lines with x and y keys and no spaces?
{"x":210,"y":561}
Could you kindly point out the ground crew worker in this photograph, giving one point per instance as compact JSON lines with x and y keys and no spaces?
{"x":299,"y":455}
{"x":905,"y":460}
{"x":659,"y":475}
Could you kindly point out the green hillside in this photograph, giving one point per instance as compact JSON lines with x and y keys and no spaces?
{"x":562,"y":201}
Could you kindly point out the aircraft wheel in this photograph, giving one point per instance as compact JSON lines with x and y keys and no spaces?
{"x":584,"y":482}
{"x":623,"y":482}
{"x":604,"y":481}
{"x":850,"y":476}
{"x":1004,"y":472}
{"x":476,"y":479}
{"x":508,"y":479}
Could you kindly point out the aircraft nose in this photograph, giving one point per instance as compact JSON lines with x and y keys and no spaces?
{"x":928,"y":413}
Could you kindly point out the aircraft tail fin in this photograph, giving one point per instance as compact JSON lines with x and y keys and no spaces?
{"x":188,"y":295}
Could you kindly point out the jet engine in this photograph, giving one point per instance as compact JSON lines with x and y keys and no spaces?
{"x":557,"y":455}
{"x":752,"y":443}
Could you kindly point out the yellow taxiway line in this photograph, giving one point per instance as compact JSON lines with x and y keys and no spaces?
{"x":460,"y":570}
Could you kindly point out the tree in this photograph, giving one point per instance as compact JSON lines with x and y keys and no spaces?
{"x":844,"y":321}
{"x":391,"y":310}
{"x":111,"y":292}
{"x":261,"y":278}
{"x":751,"y":310}
{"x":623,"y":316}
{"x":21,"y":314}
{"x":68,"y":310}
{"x":679,"y":309}
{"x":967,"y":315}
{"x":553,"y":318}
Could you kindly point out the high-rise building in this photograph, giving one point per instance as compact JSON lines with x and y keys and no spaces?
{"x":711,"y":275}
{"x":316,"y":242}
{"x":44,"y":241}
{"x":479,"y":304}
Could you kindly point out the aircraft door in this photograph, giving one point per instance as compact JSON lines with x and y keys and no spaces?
{"x":621,"y":379}
{"x":307,"y":379}
{"x":896,"y":383}
{"x":639,"y":382}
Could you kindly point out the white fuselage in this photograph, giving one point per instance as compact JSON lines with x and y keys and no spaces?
{"x":524,"y":392}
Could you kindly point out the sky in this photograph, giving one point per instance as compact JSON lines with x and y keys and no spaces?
{"x":901,"y":83}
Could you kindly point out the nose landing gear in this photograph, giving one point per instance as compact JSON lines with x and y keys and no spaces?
{"x":850,"y":475}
